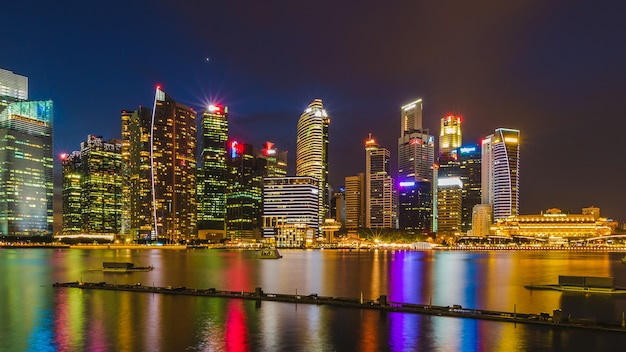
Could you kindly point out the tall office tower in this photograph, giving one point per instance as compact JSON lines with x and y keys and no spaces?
{"x":449,"y":205}
{"x":276,"y":160}
{"x":244,"y":193}
{"x":450,"y":134}
{"x":355,"y":202}
{"x":312,"y":150}
{"x":26,"y":190}
{"x":212,"y":174}
{"x":500,"y":172}
{"x":92,"y":188}
{"x":470,"y":174}
{"x":416,"y":157}
{"x":13,"y":87}
{"x":338,"y":206}
{"x":290,"y":214}
{"x":380,"y":197}
{"x":161,"y":167}
{"x":415,"y":209}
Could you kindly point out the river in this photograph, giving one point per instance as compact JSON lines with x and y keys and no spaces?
{"x":34,"y":316}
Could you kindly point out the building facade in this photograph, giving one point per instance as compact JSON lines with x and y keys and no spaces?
{"x":92,"y":188}
{"x":450,"y":136}
{"x":449,"y":205}
{"x":355,"y":202}
{"x":161,"y":171}
{"x":212,"y":174}
{"x":244,"y":193}
{"x":380,"y":196}
{"x":26,"y":184}
{"x":290,"y":210}
{"x":500,"y":172}
{"x":312,"y":151}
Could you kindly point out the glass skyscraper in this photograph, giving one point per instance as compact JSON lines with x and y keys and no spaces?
{"x":212,"y":173}
{"x":380,"y":196}
{"x":92,"y":188}
{"x":26,"y":185}
{"x":312,"y":150}
{"x":165,"y":148}
{"x":500,"y":172}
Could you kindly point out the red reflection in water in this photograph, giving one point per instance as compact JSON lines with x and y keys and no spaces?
{"x":236,"y":332}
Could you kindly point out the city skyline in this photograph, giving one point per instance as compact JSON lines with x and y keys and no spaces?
{"x":534,"y":67}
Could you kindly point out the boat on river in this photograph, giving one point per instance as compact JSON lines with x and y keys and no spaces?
{"x":269,"y":253}
{"x":121,"y":267}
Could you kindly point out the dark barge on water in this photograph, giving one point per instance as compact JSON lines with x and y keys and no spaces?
{"x":583,"y":284}
{"x":121,"y":267}
{"x":381,"y":304}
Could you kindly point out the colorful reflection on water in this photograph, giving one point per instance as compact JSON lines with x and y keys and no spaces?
{"x":37,"y":317}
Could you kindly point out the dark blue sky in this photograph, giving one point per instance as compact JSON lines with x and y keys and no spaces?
{"x":553,"y":69}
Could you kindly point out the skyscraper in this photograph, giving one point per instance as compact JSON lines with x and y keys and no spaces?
{"x":500,"y":172}
{"x":92,"y":188}
{"x":312,"y":150}
{"x":26,"y":190}
{"x":212,"y":173}
{"x":162,"y":166}
{"x":355,"y":202}
{"x":244,"y":192}
{"x":416,"y":157}
{"x":380,"y":197}
{"x":449,"y":205}
{"x":450,"y":136}
{"x":469,"y":172}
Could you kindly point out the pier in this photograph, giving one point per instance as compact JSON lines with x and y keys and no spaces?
{"x":556,"y":319}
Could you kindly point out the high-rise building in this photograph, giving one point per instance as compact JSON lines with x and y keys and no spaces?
{"x":380,"y":197}
{"x":481,"y":220}
{"x":355,"y":202}
{"x":26,"y":185}
{"x":92,"y":188}
{"x":415,"y":209}
{"x":290,"y":214}
{"x":244,"y":193}
{"x":469,"y":172}
{"x":449,"y":205}
{"x":276,"y":160}
{"x":212,"y":173}
{"x":500,"y":172}
{"x":161,"y":166}
{"x":312,"y":150}
{"x":13,"y":87}
{"x":416,"y":158}
{"x":450,"y":134}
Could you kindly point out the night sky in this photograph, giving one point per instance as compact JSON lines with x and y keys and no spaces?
{"x":556,"y":70}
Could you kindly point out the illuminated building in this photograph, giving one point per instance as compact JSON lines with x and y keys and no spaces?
{"x":212,"y":174}
{"x":500,"y":172}
{"x":92,"y":188}
{"x":380,"y":197}
{"x":338,"y":206}
{"x":355,"y":202}
{"x":450,"y":134}
{"x":312,"y":150}
{"x":244,"y":192}
{"x":26,"y":185}
{"x":415,"y":209}
{"x":276,"y":160}
{"x":481,"y":220}
{"x":416,"y":158}
{"x":290,"y":210}
{"x":449,"y":194}
{"x":160,"y":171}
{"x":13,"y":87}
{"x":554,"y":223}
